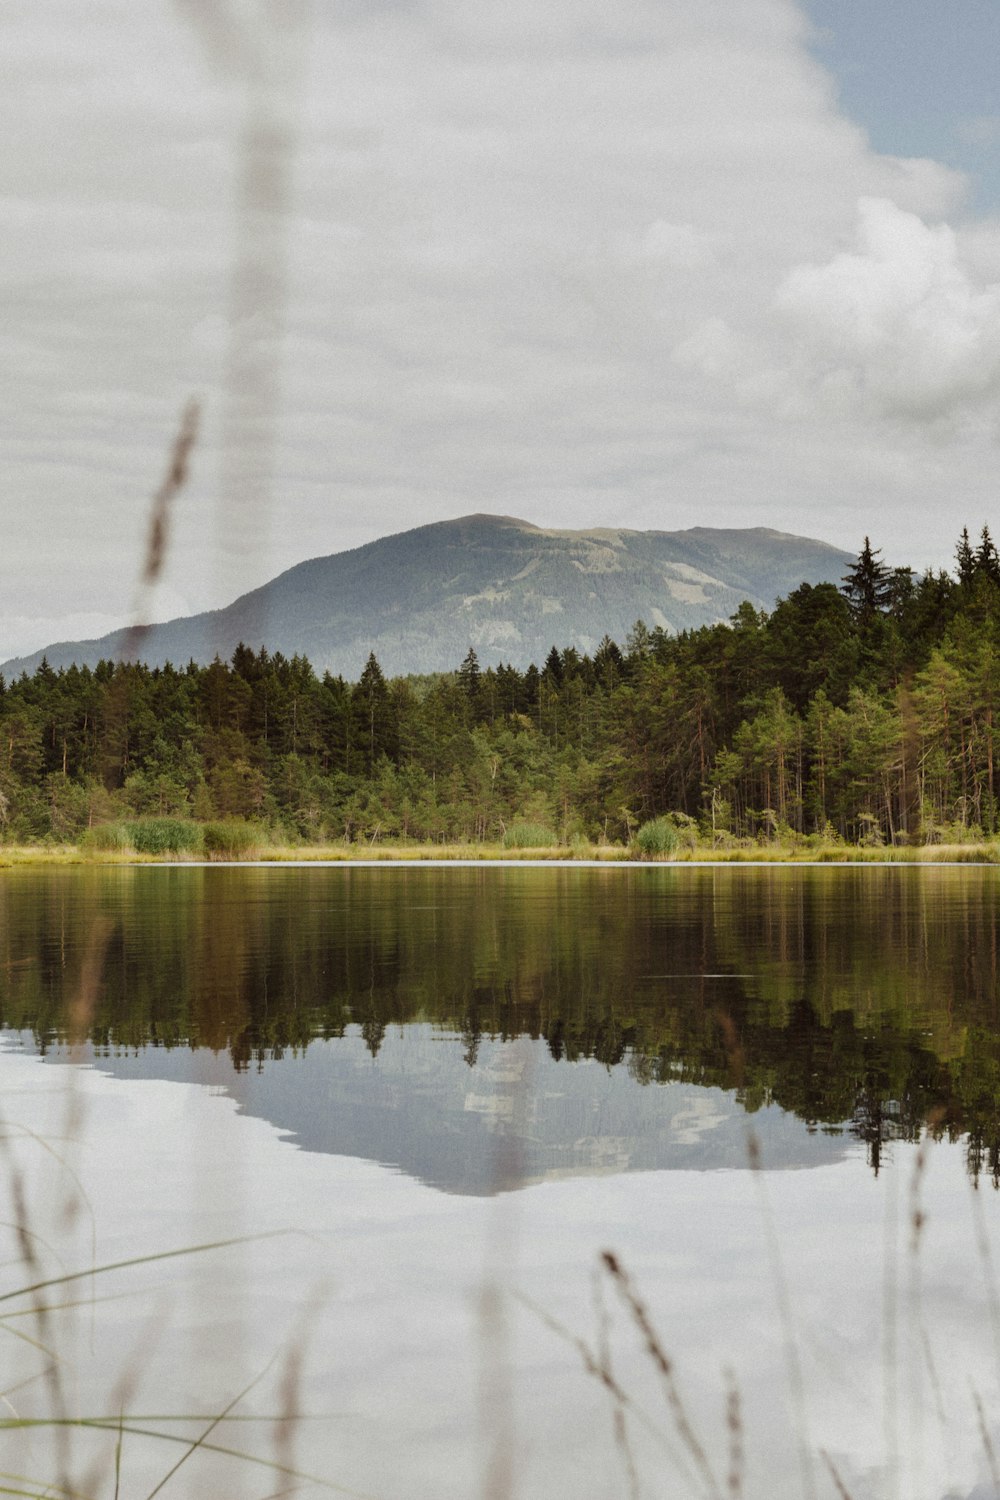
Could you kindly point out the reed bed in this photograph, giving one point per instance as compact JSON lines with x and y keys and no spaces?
{"x":221,"y":842}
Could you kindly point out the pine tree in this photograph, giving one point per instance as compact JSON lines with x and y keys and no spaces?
{"x":469,"y":675}
{"x":608,"y":662}
{"x":987,"y":559}
{"x":373,"y":711}
{"x":638,"y":641}
{"x":553,"y":668}
{"x":868,"y":585}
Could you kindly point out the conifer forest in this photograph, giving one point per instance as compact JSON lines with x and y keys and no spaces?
{"x":864,"y":713}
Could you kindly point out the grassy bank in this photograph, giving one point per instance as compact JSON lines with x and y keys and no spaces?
{"x":983,"y":853}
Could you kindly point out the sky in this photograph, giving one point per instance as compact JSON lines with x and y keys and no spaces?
{"x":655,"y":264}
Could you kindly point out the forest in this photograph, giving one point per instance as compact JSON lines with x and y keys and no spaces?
{"x":860,"y":714}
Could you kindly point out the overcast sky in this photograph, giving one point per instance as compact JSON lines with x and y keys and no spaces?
{"x":656,"y":263}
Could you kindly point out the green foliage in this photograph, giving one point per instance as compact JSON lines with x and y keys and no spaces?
{"x":234,"y":839}
{"x":870,"y":714}
{"x":110,"y":838}
{"x":659,"y":836}
{"x":868,"y":585}
{"x":524,"y":835}
{"x":164,"y":836}
{"x":148,"y":836}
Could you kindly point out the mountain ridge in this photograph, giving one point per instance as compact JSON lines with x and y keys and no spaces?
{"x":419,"y":598}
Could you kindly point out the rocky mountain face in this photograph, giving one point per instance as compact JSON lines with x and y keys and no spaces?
{"x":510,"y":589}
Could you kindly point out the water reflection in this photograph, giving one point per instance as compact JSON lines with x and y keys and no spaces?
{"x":372,"y":1012}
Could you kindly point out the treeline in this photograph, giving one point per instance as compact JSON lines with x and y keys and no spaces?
{"x":863,"y":712}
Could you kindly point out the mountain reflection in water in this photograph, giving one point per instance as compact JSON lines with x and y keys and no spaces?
{"x":515,"y":1117}
{"x":482,"y":1028}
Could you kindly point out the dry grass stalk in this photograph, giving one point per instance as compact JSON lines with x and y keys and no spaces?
{"x":841,"y":1488}
{"x":81,"y":1011}
{"x":918,"y":1218}
{"x":918,"y":1222}
{"x":174,"y":480}
{"x":600,"y":1372}
{"x":287,"y":1422}
{"x":46,"y":1342}
{"x":989,"y":1270}
{"x":259,"y":48}
{"x":987,"y":1442}
{"x":796,"y":1383}
{"x":618,"y":1409}
{"x":496,"y":1397}
{"x":664,"y":1366}
{"x":734,"y":1051}
{"x":734,"y":1428}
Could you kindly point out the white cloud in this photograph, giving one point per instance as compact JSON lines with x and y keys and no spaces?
{"x":507,"y":219}
{"x":673,"y":245}
{"x":896,"y":325}
{"x":712,"y":348}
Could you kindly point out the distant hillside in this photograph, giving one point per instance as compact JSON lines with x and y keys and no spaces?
{"x":421,"y":598}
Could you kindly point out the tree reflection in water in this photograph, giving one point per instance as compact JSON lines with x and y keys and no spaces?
{"x":861,"y":1001}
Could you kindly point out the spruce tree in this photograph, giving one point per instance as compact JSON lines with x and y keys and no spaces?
{"x":469,"y":675}
{"x":987,"y":559}
{"x":608,"y":661}
{"x":553,"y":668}
{"x":965,"y":560}
{"x":372,"y":705}
{"x":868,"y":585}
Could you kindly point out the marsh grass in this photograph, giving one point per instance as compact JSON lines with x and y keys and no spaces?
{"x":39,"y":1312}
{"x":153,"y":836}
{"x":36,"y":1299}
{"x":235,"y":841}
{"x":525,"y":835}
{"x":693,"y":1456}
{"x":658,"y":838}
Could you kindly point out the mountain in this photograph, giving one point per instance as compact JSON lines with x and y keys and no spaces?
{"x":516,"y":1116}
{"x":421,"y":598}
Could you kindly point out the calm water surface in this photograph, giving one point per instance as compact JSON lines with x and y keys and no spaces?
{"x":774,"y":1093}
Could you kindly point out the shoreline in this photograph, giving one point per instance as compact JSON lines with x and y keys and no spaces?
{"x":981,"y":855}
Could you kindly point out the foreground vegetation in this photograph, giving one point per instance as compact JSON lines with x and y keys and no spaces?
{"x":854,"y":717}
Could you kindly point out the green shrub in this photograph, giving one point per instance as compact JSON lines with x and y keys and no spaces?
{"x":524,"y":835}
{"x":146,"y":836}
{"x":163,"y":835}
{"x":234,"y":839}
{"x":110,"y":838}
{"x":658,"y":837}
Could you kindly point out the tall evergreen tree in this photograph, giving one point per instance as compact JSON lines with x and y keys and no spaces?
{"x":965,"y":560}
{"x":608,"y":662}
{"x":987,"y":558}
{"x":868,"y":585}
{"x":372,"y":702}
{"x":469,"y":675}
{"x":553,"y":668}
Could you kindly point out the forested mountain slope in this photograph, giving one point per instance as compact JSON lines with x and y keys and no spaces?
{"x":866,"y":714}
{"x":510,"y":589}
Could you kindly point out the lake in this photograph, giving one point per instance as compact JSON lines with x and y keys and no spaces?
{"x":424,"y":1101}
